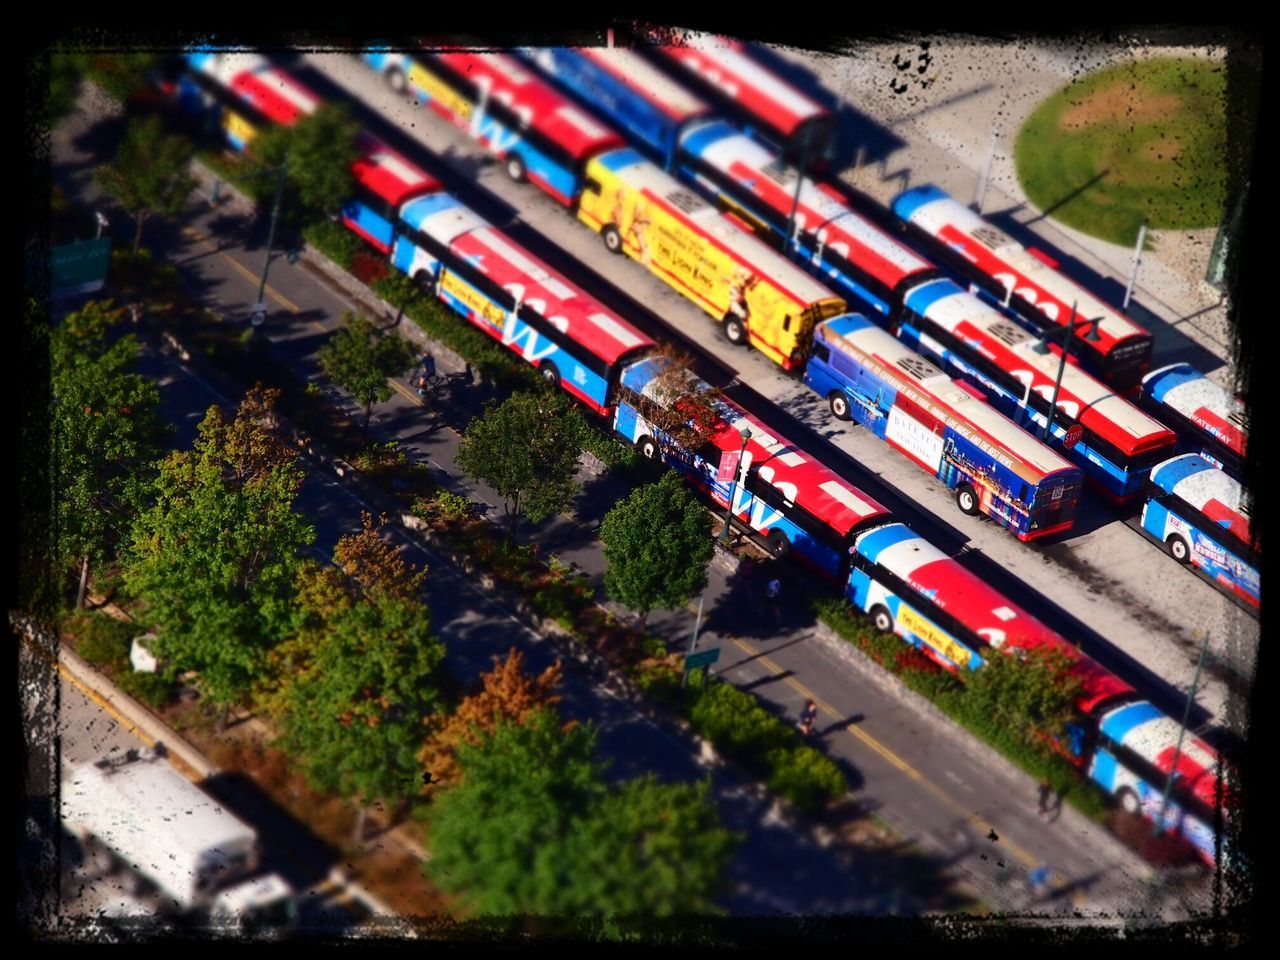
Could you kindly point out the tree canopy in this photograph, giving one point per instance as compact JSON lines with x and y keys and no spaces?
{"x":107,"y":433}
{"x":215,"y":560}
{"x":527,"y":449}
{"x":533,"y":828}
{"x":355,"y":716}
{"x":657,"y":543}
{"x":149,"y":174}
{"x":507,"y":693}
{"x":320,"y":148}
{"x":359,"y":358}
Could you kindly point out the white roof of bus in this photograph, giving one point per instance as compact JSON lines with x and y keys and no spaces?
{"x":951,"y":311}
{"x":881,"y":345}
{"x":449,"y":223}
{"x":932,"y":216}
{"x":646,"y":78}
{"x":836,"y":216}
{"x":753,"y":253}
{"x":728,"y":53}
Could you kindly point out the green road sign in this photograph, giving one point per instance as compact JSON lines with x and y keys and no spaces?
{"x":80,"y":267}
{"x":703,"y":658}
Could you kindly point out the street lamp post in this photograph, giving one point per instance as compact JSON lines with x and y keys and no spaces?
{"x":745,"y":433}
{"x":259,"y":311}
{"x":1041,"y":347}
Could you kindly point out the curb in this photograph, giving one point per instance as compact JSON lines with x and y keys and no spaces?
{"x":967,"y":743}
{"x":175,"y":746}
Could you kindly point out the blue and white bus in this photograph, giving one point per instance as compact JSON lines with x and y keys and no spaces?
{"x":944,"y":426}
{"x":1201,"y":515}
{"x":782,"y":496}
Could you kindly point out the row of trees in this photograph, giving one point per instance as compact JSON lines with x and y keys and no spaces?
{"x":213,"y":551}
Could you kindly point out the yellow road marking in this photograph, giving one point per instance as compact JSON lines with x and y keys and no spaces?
{"x":883,"y":751}
{"x":244,"y":271}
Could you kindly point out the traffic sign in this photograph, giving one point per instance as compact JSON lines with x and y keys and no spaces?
{"x":80,"y":267}
{"x":703,"y":658}
{"x":1075,"y":433}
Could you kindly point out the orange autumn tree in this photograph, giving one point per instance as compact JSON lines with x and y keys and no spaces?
{"x":688,"y":411}
{"x":367,"y":567}
{"x":507,"y":692}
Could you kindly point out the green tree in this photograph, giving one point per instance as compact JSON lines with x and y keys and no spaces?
{"x":320,"y":149}
{"x":149,"y":174}
{"x":651,"y":848}
{"x":1031,"y":693}
{"x":359,"y":359}
{"x":107,"y":435}
{"x":527,"y":449}
{"x":365,"y":567}
{"x":532,"y":828}
{"x":657,"y":543}
{"x":356,"y":716}
{"x":215,"y":560}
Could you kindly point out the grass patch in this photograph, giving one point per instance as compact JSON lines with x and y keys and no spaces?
{"x":1144,"y":141}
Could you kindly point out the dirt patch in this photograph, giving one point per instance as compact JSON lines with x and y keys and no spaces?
{"x":1120,"y":102}
{"x":1162,"y":150}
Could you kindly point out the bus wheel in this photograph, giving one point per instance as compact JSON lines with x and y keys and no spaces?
{"x":515,"y":168}
{"x":396,"y":80}
{"x":648,"y":448}
{"x":550,"y":375}
{"x":1178,"y":548}
{"x":967,"y":499}
{"x":426,"y":283}
{"x":839,"y":406}
{"x":612,"y":238}
{"x":779,"y":545}
{"x":735,"y":332}
{"x":1128,"y":801}
{"x":882,"y":619}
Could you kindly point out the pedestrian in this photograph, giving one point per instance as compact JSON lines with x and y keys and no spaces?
{"x":1045,"y":791}
{"x":807,"y":717}
{"x":773,"y":589}
{"x":1039,"y":878}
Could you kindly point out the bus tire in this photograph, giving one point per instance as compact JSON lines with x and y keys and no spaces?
{"x":882,"y":619}
{"x":649,"y":448}
{"x":426,"y":283}
{"x":612,"y":238}
{"x":549,"y":374}
{"x":1178,"y":548}
{"x":967,"y":500}
{"x":396,"y":80}
{"x":839,"y":405}
{"x":1128,"y":801}
{"x":779,"y":545}
{"x":516,"y":169}
{"x":735,"y":331}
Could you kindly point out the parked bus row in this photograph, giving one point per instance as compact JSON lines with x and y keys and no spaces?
{"x":640,"y":210}
{"x":783,"y":496}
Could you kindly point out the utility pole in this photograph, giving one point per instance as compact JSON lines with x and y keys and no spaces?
{"x":693,"y":642}
{"x":795,"y":200}
{"x":981,"y":193}
{"x":1133,"y":271}
{"x":1182,"y":730}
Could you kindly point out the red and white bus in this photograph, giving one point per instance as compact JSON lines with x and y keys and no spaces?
{"x":769,"y":108}
{"x":1027,"y":281}
{"x":535,"y":131}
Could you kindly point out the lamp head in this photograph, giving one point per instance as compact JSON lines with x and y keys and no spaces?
{"x":1091,"y":332}
{"x":745,"y":434}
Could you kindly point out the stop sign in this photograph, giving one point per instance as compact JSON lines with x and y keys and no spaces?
{"x":1075,"y":433}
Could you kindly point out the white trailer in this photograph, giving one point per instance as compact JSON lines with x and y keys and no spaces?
{"x":164,"y":828}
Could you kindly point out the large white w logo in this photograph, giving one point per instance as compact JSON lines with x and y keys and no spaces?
{"x":514,"y":331}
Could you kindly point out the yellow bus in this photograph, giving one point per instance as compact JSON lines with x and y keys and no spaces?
{"x":759,"y":297}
